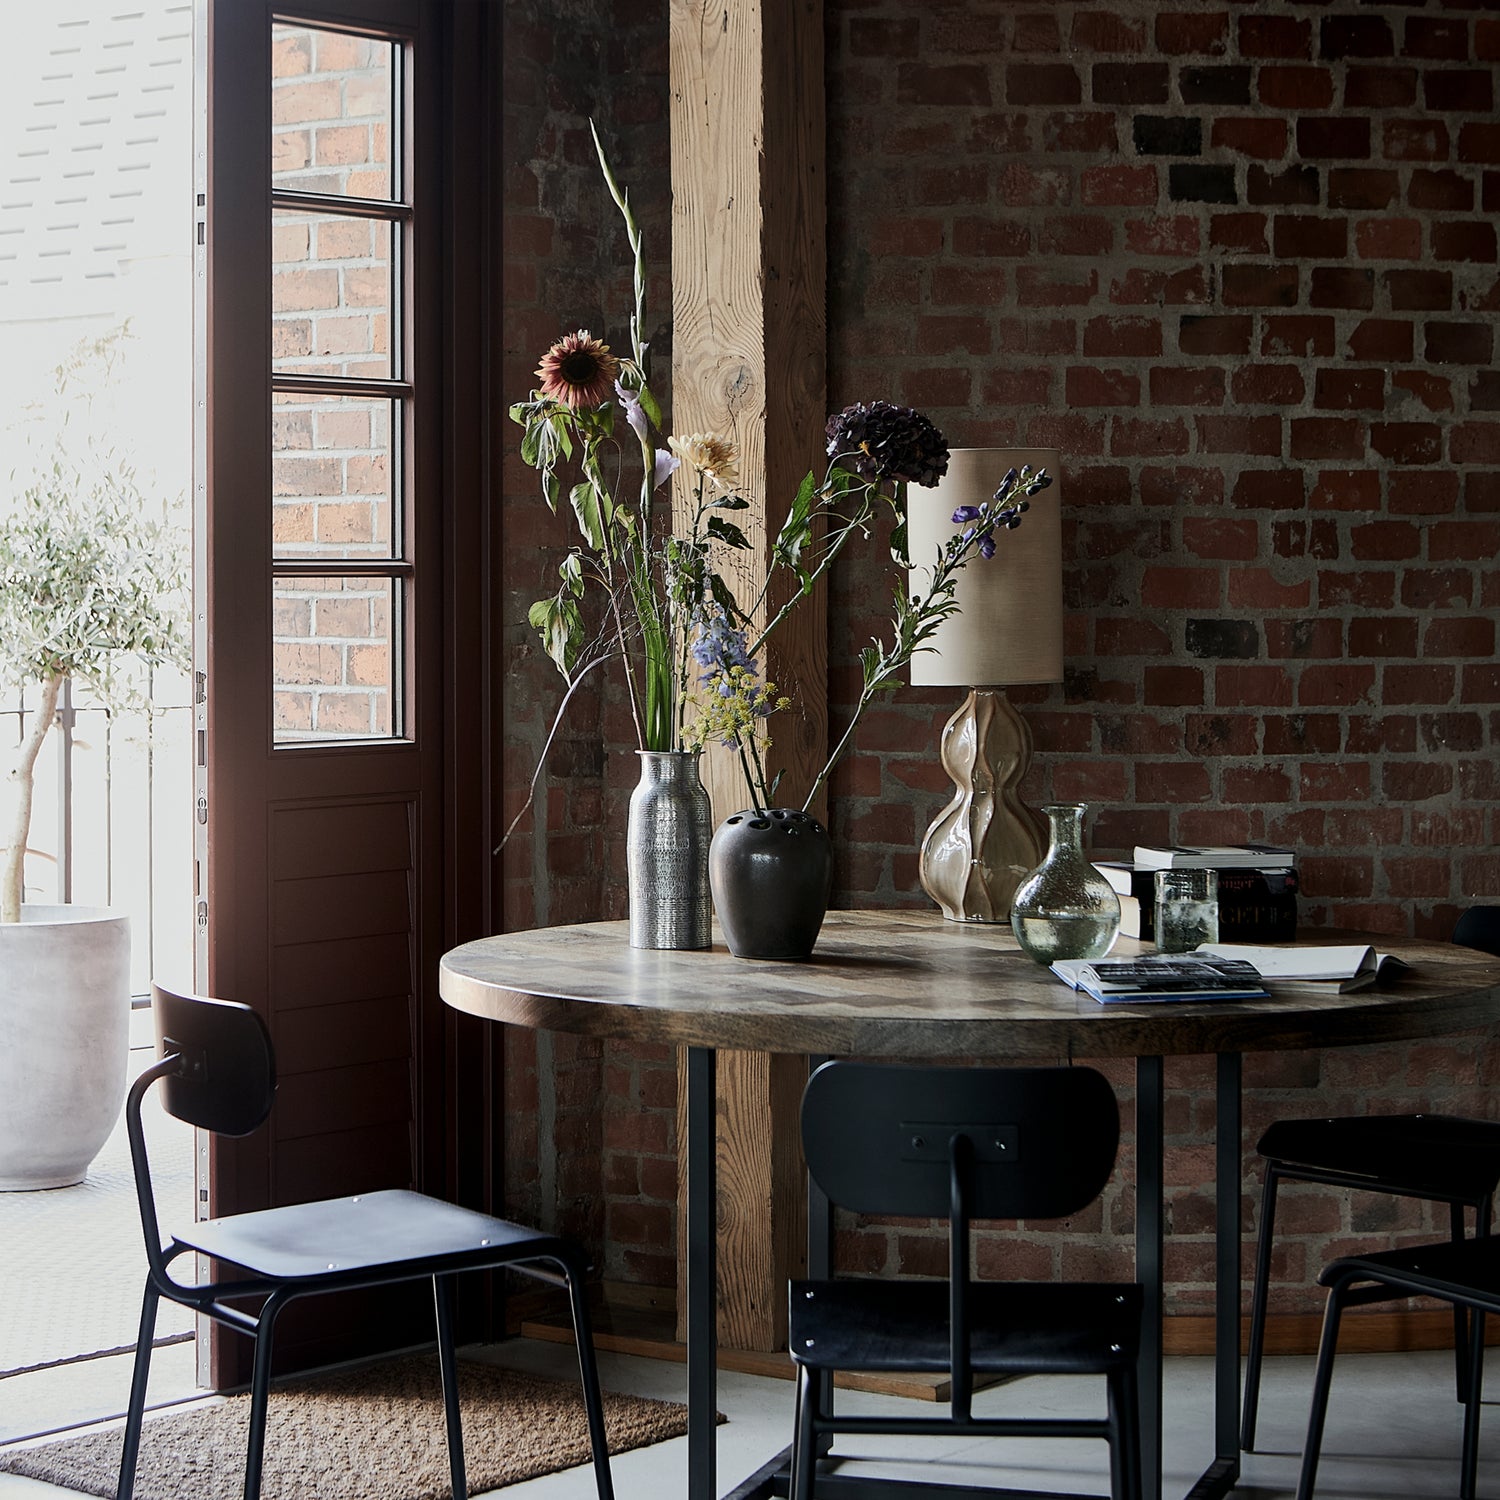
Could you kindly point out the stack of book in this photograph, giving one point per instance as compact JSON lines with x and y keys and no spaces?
{"x":1257,"y":888}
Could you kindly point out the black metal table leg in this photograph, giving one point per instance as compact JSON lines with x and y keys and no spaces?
{"x":1227,"y":1257}
{"x":820,"y":1260}
{"x":702,"y":1274}
{"x":1148,"y":1261}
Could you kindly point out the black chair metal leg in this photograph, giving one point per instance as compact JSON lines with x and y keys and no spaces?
{"x":1258,"y":1298}
{"x":1475,"y":1383}
{"x":1322,"y":1379}
{"x":1124,"y":1439}
{"x":136,"y":1411}
{"x":442,"y":1300}
{"x":260,"y":1393}
{"x":588,"y":1374}
{"x":804,"y":1446}
{"x":1460,"y":1315}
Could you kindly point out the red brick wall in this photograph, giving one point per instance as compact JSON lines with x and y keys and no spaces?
{"x":1238,"y":263}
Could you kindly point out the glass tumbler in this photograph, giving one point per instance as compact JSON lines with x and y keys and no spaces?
{"x":1187,"y":909}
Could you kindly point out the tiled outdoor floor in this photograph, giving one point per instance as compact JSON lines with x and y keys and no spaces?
{"x":72,"y":1265}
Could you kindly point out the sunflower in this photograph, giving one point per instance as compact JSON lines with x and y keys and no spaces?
{"x":715,"y":456}
{"x":578,"y":369}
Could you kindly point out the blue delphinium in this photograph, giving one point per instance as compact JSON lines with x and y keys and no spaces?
{"x":717,"y":646}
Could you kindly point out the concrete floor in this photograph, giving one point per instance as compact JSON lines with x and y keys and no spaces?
{"x":1393,"y":1432}
{"x":1393,"y":1424}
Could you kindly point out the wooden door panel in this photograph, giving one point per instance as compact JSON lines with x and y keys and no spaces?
{"x":362,"y":1096}
{"x":335,"y":908}
{"x":347,"y":969}
{"x":322,"y":840}
{"x":352,"y":1161}
{"x":359,"y":1031}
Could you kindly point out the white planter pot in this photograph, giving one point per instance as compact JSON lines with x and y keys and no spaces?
{"x":64,"y":1041}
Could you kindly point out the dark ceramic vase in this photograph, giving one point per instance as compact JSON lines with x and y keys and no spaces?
{"x":771,"y":873}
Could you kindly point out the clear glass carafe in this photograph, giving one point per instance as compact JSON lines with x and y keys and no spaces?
{"x":1065,"y":908}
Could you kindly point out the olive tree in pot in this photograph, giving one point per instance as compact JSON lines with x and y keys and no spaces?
{"x":87,"y":580}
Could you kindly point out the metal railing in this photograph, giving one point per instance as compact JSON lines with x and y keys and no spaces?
{"x":120,"y":833}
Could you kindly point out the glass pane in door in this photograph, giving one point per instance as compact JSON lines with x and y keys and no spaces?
{"x":331,"y":112}
{"x":335,"y":654}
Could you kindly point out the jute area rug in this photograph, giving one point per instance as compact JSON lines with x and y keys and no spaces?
{"x":374,"y":1432}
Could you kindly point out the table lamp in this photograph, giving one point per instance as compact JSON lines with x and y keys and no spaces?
{"x":1008,"y":630}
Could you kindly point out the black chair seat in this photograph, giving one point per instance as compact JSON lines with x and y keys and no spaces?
{"x":357,"y":1235}
{"x":1466,"y":1272}
{"x":1417,"y":1156}
{"x":1016,"y":1328}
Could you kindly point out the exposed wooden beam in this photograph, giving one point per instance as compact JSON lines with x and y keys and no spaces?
{"x":748,"y":362}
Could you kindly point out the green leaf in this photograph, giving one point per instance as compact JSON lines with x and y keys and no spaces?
{"x":585,"y":501}
{"x":558,"y":622}
{"x":726,"y":532}
{"x":898,"y":546}
{"x":551,"y":489}
{"x":796,"y":530}
{"x":724,"y":597}
{"x":531,"y":443}
{"x":650,"y":405}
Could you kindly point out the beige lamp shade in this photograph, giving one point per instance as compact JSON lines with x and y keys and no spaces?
{"x":1009,"y":625}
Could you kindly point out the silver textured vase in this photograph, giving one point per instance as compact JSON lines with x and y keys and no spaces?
{"x":666,"y":852}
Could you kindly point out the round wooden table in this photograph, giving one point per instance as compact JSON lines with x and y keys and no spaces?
{"x":911,"y":985}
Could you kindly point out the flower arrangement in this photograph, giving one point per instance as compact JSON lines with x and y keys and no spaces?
{"x":688,"y":646}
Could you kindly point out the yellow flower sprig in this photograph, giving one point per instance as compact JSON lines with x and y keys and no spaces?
{"x":735,"y":712}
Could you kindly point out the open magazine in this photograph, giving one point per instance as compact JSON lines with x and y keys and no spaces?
{"x":1178,"y":976}
{"x":1336,"y":968}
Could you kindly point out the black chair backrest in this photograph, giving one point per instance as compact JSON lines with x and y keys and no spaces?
{"x":878,"y":1138}
{"x":1479,"y":927}
{"x":227,"y":1078}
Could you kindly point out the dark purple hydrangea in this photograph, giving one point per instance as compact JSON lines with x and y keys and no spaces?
{"x":882,"y":441}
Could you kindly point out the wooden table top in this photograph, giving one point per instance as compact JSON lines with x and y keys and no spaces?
{"x":910,"y":984}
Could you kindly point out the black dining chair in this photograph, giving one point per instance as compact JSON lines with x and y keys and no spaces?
{"x":218,"y":1073}
{"x":1463,"y":1272}
{"x":1435,"y":1158}
{"x":963,"y":1144}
